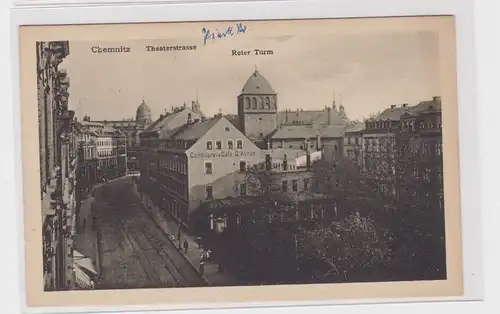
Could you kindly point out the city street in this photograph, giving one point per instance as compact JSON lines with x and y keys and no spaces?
{"x":134,"y":252}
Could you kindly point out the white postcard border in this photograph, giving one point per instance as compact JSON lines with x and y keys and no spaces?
{"x":461,"y":9}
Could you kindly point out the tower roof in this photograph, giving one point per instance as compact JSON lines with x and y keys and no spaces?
{"x":257,"y":84}
{"x":143,"y":108}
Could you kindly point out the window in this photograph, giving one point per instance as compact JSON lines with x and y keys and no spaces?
{"x":243,"y":189}
{"x":210,"y":192}
{"x":294,"y":185}
{"x":218,"y":144}
{"x":306,"y":184}
{"x":284,"y":186}
{"x":230,"y":144}
{"x":243,"y":165}
{"x":208,"y":167}
{"x":439,"y":149}
{"x":209,"y":145}
{"x":239,"y":144}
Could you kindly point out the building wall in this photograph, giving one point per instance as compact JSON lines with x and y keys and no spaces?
{"x":296,"y":181}
{"x":225,"y":162}
{"x":257,"y":115}
{"x":51,"y":81}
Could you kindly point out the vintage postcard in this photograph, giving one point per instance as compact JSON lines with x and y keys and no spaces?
{"x":243,"y":161}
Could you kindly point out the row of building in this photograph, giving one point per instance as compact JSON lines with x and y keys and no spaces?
{"x":59,"y":162}
{"x":202,"y":171}
{"x":74,"y":156}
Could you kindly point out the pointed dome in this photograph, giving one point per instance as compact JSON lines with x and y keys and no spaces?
{"x":257,"y":85}
{"x":143,"y":108}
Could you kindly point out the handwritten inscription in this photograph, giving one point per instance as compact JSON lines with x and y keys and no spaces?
{"x":209,"y":35}
{"x":222,"y":154}
{"x":254,"y":52}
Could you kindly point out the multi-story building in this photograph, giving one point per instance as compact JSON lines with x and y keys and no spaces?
{"x":109,"y":146}
{"x":88,"y":159}
{"x":421,"y":137}
{"x":197,"y":161}
{"x":353,"y":141}
{"x":131,"y":129}
{"x":58,"y":142}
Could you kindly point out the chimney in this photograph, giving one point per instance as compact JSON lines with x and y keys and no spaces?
{"x":318,"y":142}
{"x":329,"y":115}
{"x":286,"y":116}
{"x":436,"y":99}
{"x":393,"y":106}
{"x":405,"y":105}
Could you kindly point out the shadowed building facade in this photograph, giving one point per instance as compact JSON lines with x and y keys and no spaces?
{"x":58,"y":166}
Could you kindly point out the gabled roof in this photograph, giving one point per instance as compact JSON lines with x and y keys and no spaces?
{"x":193,"y":131}
{"x":309,"y":117}
{"x":393,"y":114}
{"x":355,"y":127}
{"x":257,"y":85}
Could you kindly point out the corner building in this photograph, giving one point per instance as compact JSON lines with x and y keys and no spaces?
{"x":200,"y":161}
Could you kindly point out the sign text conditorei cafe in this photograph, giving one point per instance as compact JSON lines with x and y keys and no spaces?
{"x":222,"y":154}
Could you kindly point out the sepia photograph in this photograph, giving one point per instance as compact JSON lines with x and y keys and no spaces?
{"x":244,"y":153}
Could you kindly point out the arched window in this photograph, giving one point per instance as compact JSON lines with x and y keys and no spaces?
{"x":268,"y":103}
{"x":247,"y":102}
{"x":254,"y":103}
{"x":261,"y":103}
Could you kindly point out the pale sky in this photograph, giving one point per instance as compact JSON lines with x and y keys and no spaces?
{"x":370,"y":71}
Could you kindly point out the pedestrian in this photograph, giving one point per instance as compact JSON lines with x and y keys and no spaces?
{"x":186,"y":246}
{"x":202,"y":256}
{"x":220,"y":269}
{"x":202,"y":267}
{"x":208,"y":253}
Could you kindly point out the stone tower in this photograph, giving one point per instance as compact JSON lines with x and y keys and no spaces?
{"x":257,"y":108}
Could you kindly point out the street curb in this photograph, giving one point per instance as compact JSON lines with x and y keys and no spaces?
{"x":203,"y":277}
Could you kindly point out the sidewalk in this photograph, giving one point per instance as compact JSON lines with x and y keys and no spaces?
{"x":211,"y":275}
{"x":86,"y":240}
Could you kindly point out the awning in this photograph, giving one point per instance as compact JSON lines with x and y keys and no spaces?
{"x":83,"y":262}
{"x":82,"y":280}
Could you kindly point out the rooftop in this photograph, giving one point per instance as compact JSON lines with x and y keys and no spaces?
{"x":194,"y":131}
{"x":308,"y":131}
{"x":257,"y":84}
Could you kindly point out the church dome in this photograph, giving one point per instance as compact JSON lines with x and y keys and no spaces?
{"x":143,"y":114}
{"x":257,"y":85}
{"x":143,"y":108}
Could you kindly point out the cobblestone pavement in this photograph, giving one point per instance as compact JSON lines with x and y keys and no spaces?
{"x":134,"y":252}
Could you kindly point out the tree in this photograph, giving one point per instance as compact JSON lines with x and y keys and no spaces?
{"x":397,"y":183}
{"x":352,"y":248}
